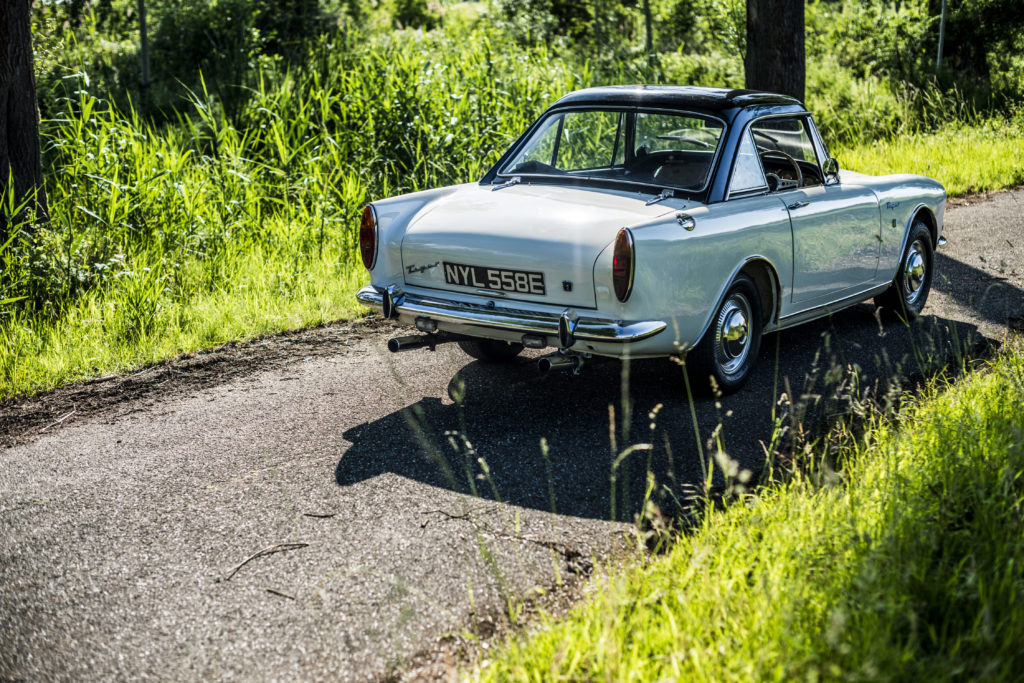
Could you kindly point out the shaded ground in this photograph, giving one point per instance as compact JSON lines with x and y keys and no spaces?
{"x":400,"y":501}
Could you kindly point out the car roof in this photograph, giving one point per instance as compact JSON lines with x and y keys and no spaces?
{"x":676,"y":96}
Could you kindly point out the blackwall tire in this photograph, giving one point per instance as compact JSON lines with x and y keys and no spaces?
{"x":725,"y":357}
{"x":909,"y":290}
{"x":491,"y":350}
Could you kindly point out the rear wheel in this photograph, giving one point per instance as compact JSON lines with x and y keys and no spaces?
{"x":726,"y":354}
{"x":908,"y":292}
{"x":491,"y":350}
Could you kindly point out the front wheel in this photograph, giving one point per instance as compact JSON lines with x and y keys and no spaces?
{"x":908,"y":292}
{"x":726,"y":354}
{"x":491,"y":350}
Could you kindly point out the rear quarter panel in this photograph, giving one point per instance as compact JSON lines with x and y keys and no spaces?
{"x":682,"y":275}
{"x":393,"y":217}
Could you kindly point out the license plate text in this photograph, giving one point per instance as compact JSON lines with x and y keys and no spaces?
{"x":500,"y":279}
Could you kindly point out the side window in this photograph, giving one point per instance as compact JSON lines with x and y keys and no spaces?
{"x":746,"y":172}
{"x":787,"y":153}
{"x":785,"y":135}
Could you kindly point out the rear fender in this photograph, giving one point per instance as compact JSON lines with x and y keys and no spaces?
{"x":682,"y":275}
{"x":393,"y":218}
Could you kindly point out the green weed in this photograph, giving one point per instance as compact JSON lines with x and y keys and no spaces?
{"x":966,"y":159}
{"x":905,"y":566}
{"x":156,"y":227}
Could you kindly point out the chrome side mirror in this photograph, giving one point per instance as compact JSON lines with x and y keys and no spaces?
{"x":831,"y":169}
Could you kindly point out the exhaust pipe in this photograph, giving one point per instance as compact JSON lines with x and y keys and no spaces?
{"x":559,"y":361}
{"x":414,"y":342}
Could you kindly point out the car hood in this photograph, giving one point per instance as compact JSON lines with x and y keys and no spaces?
{"x":556,"y":231}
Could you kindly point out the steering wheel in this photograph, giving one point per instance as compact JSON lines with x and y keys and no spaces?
{"x":779,"y":154}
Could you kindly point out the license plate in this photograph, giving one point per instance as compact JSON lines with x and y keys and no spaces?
{"x":499,"y":279}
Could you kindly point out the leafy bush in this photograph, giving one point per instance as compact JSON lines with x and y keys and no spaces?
{"x":269,"y":124}
{"x":152,"y":222}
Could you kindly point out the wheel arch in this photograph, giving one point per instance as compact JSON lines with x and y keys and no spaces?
{"x":766,"y":281}
{"x":923,"y":213}
{"x":762,"y":272}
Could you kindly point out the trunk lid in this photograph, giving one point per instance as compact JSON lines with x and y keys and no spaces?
{"x":525,"y":242}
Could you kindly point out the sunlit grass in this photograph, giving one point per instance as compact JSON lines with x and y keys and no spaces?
{"x":165,"y":240}
{"x":120,"y":328}
{"x":904,"y":567}
{"x":164,"y":225}
{"x":965,"y":159}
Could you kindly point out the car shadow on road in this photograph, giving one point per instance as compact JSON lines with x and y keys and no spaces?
{"x":992,"y":297}
{"x":555,"y":442}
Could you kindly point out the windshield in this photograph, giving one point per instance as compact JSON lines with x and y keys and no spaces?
{"x":650,"y":148}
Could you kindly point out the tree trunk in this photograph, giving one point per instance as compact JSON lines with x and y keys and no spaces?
{"x":775,"y":46}
{"x":21,"y":166}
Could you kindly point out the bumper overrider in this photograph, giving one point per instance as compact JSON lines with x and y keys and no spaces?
{"x":536,"y":327}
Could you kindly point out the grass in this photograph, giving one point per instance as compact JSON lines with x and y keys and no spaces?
{"x":906,"y":566}
{"x":964,"y":158}
{"x":223,"y":227}
{"x":115,"y":330}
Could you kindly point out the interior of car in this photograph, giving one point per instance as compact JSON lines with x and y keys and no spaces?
{"x":787,"y":154}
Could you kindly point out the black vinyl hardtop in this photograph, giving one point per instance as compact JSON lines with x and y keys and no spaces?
{"x":686,"y":97}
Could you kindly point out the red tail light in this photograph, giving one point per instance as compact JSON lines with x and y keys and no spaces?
{"x":622,"y":264}
{"x":368,"y":237}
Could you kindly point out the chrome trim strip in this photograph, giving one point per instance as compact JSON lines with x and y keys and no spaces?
{"x":809,"y":314}
{"x":501,"y":318}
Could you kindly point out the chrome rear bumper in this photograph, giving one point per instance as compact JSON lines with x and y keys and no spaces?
{"x":398,"y":304}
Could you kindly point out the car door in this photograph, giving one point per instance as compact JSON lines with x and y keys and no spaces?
{"x":835,"y":226}
{"x":835,"y":241}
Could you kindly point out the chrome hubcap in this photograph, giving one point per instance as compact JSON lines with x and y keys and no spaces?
{"x":732,"y":334}
{"x":914,"y":272}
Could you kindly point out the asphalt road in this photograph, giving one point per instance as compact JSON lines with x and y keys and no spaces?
{"x":400,"y":502}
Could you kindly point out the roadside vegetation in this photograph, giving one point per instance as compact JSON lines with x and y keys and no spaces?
{"x":220,"y":201}
{"x":966,"y":157}
{"x":897,"y":558}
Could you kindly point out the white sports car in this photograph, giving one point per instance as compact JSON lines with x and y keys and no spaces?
{"x":647,"y":221}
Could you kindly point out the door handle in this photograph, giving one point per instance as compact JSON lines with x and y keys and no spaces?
{"x":797,"y":205}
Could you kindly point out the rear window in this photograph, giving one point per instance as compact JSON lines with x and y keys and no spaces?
{"x":672,"y":150}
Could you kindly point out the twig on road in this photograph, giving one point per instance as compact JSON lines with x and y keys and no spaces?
{"x":465,"y":516}
{"x":283,"y":595}
{"x":269,"y":550}
{"x":54,"y":424}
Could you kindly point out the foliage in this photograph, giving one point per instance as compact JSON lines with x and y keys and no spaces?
{"x":417,"y":14}
{"x":157,"y":227}
{"x":965,"y":159}
{"x":899,"y":41}
{"x":904,"y":567}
